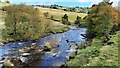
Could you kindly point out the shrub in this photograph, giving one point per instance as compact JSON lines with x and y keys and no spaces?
{"x":65,"y":19}
{"x":101,"y":19}
{"x":78,"y":21}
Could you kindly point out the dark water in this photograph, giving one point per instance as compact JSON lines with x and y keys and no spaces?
{"x":66,"y":43}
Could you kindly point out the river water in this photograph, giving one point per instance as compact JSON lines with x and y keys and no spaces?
{"x":66,"y":44}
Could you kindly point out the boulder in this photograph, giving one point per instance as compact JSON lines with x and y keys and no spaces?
{"x":31,"y":49}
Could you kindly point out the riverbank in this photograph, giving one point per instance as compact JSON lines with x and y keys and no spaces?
{"x":97,"y":54}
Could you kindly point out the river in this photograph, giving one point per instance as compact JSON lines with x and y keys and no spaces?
{"x":66,"y":44}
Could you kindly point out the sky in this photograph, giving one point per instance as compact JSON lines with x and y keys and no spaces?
{"x":81,"y":3}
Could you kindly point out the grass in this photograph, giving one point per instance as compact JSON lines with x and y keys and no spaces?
{"x":108,"y":54}
{"x":2,"y":26}
{"x":58,"y":14}
{"x":98,"y":55}
{"x":59,"y":29}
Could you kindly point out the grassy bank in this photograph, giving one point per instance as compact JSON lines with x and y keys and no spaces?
{"x":59,"y":29}
{"x":98,"y":55}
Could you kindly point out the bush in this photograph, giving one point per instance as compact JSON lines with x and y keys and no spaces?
{"x":65,"y":19}
{"x":22,"y":23}
{"x":78,"y":21}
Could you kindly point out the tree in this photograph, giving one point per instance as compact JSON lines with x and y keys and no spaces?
{"x":22,"y":23}
{"x":77,"y":21}
{"x":99,"y":20}
{"x":65,"y":20}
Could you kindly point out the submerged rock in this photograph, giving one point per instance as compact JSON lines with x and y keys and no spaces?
{"x":30,"y":50}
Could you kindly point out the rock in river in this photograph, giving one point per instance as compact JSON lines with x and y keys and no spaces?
{"x":30,"y":50}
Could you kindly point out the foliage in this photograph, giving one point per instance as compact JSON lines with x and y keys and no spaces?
{"x":101,"y":19}
{"x":65,"y":19}
{"x":22,"y":23}
{"x":78,"y":21}
{"x":108,"y":54}
{"x":97,"y":55}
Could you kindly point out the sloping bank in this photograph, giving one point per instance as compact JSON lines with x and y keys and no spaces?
{"x":95,"y":54}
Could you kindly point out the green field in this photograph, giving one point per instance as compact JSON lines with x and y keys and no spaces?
{"x":58,"y":14}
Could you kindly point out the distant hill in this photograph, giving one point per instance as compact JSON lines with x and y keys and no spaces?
{"x":58,"y":14}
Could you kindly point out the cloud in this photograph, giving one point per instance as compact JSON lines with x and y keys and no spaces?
{"x":115,"y":2}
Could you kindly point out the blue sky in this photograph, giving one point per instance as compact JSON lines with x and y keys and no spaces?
{"x":81,"y":3}
{"x":71,"y":4}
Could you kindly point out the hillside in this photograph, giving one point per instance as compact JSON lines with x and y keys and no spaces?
{"x":98,"y":55}
{"x":58,"y":14}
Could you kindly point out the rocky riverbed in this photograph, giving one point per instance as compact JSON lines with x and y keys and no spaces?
{"x":53,"y":50}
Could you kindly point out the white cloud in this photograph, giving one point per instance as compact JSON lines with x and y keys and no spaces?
{"x":115,"y":2}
